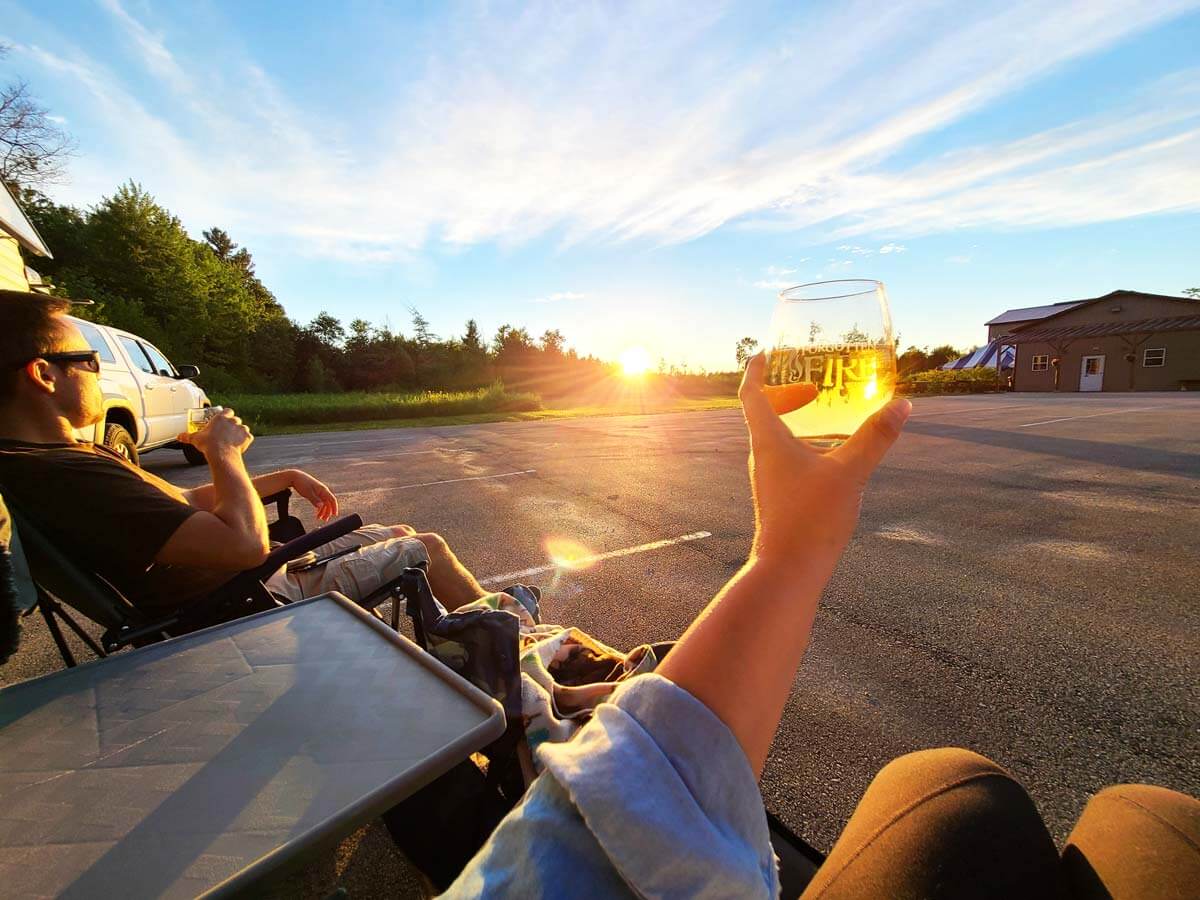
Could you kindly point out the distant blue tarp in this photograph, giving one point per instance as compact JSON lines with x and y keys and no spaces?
{"x":984,"y":358}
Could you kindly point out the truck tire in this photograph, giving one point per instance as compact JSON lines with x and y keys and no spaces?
{"x":118,"y":439}
{"x":193,"y":456}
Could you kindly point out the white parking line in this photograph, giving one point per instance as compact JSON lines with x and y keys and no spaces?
{"x":387,"y":489}
{"x":1111,"y":412}
{"x":598,"y":557}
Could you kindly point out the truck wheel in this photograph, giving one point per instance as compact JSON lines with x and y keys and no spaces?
{"x":118,"y":439}
{"x":192,"y":455}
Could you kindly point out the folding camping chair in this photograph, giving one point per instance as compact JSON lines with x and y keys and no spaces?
{"x":62,"y":583}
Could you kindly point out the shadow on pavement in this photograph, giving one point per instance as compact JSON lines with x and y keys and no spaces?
{"x":1127,"y":456}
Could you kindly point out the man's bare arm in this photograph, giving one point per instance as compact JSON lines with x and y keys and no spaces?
{"x":205,"y":496}
{"x":232,"y":535}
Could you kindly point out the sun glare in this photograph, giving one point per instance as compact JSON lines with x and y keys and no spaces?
{"x":635,"y":362}
{"x":568,"y":554}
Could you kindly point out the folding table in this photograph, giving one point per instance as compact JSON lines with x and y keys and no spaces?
{"x":195,"y":766}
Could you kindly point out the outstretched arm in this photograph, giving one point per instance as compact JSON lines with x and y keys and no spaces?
{"x":308,"y":487}
{"x":740,"y":655}
{"x":658,"y":792}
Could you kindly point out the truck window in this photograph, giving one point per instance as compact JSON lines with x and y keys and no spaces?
{"x":136,"y":354}
{"x":160,"y":362}
{"x":96,"y":341}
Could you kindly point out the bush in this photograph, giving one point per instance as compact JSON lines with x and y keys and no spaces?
{"x":951,"y":381}
{"x":308,"y":409}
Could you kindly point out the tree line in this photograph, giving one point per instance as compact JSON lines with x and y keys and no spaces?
{"x":202,"y":302}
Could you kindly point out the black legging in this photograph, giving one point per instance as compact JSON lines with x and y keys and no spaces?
{"x":950,"y":823}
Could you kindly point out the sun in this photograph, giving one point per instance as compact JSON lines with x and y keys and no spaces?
{"x":635,"y":362}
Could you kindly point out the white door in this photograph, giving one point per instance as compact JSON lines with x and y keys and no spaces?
{"x":1091,"y":374}
{"x":161,"y":417}
{"x":181,"y":397}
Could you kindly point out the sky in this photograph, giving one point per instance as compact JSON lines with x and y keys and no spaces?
{"x":645,"y":174}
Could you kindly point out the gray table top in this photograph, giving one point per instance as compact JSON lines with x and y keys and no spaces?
{"x":196,"y":765}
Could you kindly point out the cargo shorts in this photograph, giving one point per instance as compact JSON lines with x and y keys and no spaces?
{"x":380,"y":557}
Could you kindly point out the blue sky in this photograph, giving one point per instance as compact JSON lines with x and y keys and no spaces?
{"x":646,"y":173}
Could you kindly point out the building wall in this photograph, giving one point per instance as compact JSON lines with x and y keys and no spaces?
{"x":1182,"y":363}
{"x":994,"y":331}
{"x":12,"y":267}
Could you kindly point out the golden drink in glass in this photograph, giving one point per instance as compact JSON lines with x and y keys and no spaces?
{"x":198,"y":418}
{"x":836,"y":338}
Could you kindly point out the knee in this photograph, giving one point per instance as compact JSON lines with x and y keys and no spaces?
{"x":976,"y":788}
{"x":1156,"y":807}
{"x":434,"y":543}
{"x":403,"y":530}
{"x":938,"y":767}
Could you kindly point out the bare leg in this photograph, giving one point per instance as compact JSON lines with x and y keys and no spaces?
{"x":450,"y":580}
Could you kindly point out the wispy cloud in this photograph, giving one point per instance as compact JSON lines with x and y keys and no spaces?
{"x":560,"y":297}
{"x":636,"y":122}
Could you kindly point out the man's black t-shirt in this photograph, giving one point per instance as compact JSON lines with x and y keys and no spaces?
{"x":106,"y":514}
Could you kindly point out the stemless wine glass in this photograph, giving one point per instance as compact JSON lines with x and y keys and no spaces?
{"x":831,"y":341}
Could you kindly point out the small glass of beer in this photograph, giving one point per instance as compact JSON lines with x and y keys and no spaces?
{"x":832,"y":341}
{"x":198,"y":417}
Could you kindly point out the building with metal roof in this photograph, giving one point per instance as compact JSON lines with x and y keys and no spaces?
{"x":1015,"y":318}
{"x":1122,"y":341}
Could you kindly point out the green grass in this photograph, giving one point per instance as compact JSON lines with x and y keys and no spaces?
{"x":264,"y":412}
{"x":296,"y":413}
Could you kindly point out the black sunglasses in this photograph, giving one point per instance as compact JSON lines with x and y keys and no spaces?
{"x":90,"y":359}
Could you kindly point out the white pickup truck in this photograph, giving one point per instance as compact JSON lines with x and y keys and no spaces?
{"x":146,"y":399}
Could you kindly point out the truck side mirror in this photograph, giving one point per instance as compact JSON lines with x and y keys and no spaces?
{"x":188,"y":371}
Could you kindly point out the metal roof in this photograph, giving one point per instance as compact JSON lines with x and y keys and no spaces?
{"x":1106,"y":329}
{"x":14,"y":222}
{"x":1031,"y":313}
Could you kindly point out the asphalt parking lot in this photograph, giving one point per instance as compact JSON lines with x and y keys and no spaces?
{"x":1024,"y":581}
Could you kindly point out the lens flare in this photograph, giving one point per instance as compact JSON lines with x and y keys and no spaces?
{"x":568,"y":554}
{"x":635,"y":362}
{"x":871,"y":388}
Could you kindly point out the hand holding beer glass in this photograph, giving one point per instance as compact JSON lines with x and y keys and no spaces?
{"x":832,"y":354}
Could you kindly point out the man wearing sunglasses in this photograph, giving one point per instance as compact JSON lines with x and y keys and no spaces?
{"x":159,"y":545}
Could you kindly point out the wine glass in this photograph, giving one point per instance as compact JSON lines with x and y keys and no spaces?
{"x":831,"y":348}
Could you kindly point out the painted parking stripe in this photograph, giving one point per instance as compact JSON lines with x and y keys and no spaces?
{"x":1111,"y":412}
{"x":598,"y":557}
{"x":420,"y":484}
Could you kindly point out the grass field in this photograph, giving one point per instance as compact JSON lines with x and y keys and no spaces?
{"x":291,"y":413}
{"x":269,"y":412}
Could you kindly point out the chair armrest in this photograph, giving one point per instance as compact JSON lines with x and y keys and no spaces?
{"x":301,"y":545}
{"x":280,"y":499}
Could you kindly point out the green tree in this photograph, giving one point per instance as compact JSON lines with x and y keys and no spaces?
{"x":553,"y":342}
{"x":1194,"y":293}
{"x":939,"y":356}
{"x":327,"y":330}
{"x":472,"y":342}
{"x":912,"y":360}
{"x":746,"y":348}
